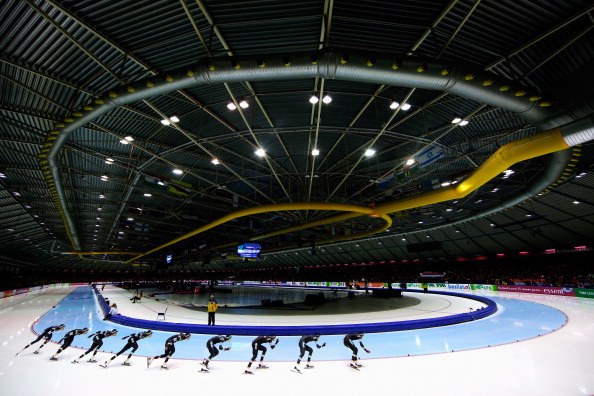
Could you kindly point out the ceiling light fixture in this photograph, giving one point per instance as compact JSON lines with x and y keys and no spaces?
{"x":456,"y":120}
{"x":394,"y":105}
{"x":231,"y":106}
{"x":410,"y":161}
{"x":109,"y":161}
{"x":165,"y":122}
{"x":369,"y":152}
{"x":148,"y":194}
{"x":101,"y":196}
{"x":244,"y":104}
{"x":327,"y":99}
{"x":174,"y":118}
{"x":314,"y":99}
{"x":315,"y":152}
{"x":406,"y":106}
{"x":260,"y":152}
{"x":178,"y":171}
{"x":215,"y":161}
{"x":463,"y":122}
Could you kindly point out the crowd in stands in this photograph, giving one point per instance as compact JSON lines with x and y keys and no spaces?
{"x":569,"y":270}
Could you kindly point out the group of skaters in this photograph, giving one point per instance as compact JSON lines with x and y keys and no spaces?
{"x":214,"y":346}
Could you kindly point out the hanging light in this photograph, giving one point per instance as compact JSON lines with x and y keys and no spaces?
{"x":405,"y":106}
{"x":165,"y":122}
{"x":369,"y":152}
{"x":260,"y":152}
{"x":215,"y":161}
{"x":394,"y":105}
{"x":315,"y":152}
{"x":101,"y":196}
{"x":456,"y":120}
{"x":244,"y":104}
{"x":463,"y":122}
{"x":327,"y":99}
{"x":178,"y":171}
{"x":104,"y":177}
{"x":314,"y":99}
{"x":148,"y":194}
{"x":109,"y":161}
{"x":231,"y":106}
{"x":410,"y":161}
{"x":174,"y":118}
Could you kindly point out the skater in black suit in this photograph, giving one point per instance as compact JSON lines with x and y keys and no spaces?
{"x":348,"y":342}
{"x":67,"y":340}
{"x":303,"y":347}
{"x":47,"y":334}
{"x":97,"y":343}
{"x":213,"y":350}
{"x":257,"y":346}
{"x":132,"y":343}
{"x":169,"y":349}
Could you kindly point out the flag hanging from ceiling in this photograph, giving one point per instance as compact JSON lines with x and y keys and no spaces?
{"x":429,"y":155}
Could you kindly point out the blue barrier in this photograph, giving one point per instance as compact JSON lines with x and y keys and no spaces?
{"x":300,"y":330}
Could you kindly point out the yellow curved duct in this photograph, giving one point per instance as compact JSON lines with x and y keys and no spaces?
{"x":533,"y":146}
{"x":265,"y":209}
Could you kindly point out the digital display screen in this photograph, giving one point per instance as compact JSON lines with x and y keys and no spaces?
{"x":249,"y":250}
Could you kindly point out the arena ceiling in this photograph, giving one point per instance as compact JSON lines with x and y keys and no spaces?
{"x":96,"y":173}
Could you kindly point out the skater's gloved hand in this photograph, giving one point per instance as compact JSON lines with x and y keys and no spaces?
{"x":367,"y":350}
{"x":228,"y":348}
{"x":323,"y":345}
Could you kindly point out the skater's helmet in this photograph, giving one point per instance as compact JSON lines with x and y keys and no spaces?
{"x":114,"y":332}
{"x":185,"y":336}
{"x":317,"y":336}
{"x":85,"y":330}
{"x":148,"y":333}
{"x":227,"y":337}
{"x":61,"y":327}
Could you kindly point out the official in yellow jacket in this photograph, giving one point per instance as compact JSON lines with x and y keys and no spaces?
{"x":212,"y":308}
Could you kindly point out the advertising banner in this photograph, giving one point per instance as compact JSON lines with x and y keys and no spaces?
{"x":584,"y":293}
{"x":413,"y":286}
{"x":337,"y":284}
{"x":458,"y":286}
{"x":559,"y":291}
{"x":437,"y":286}
{"x":484,"y":287}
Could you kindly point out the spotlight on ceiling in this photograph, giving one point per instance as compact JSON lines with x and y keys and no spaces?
{"x":109,"y":161}
{"x":456,"y":120}
{"x":165,"y":122}
{"x":410,"y":161}
{"x":231,"y":106}
{"x":394,"y":105}
{"x":174,"y":118}
{"x":327,"y":99}
{"x":405,"y":106}
{"x":215,"y":161}
{"x":260,"y":152}
{"x":369,"y":152}
{"x":244,"y":104}
{"x":314,"y":99}
{"x":315,"y":152}
{"x":178,"y":171}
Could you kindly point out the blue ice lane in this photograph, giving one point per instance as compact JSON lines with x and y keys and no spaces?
{"x":516,"y":320}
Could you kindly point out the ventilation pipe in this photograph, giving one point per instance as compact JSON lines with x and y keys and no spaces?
{"x":405,"y":71}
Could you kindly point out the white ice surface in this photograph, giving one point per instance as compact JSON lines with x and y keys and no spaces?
{"x":558,"y":364}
